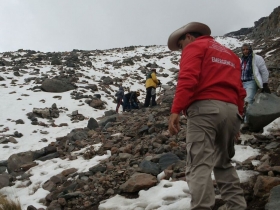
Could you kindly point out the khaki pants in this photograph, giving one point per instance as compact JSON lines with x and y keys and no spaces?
{"x":212,"y":127}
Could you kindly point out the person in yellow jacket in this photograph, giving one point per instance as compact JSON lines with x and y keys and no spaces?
{"x":151,"y":84}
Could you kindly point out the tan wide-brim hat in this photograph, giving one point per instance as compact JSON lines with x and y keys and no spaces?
{"x":190,"y":27}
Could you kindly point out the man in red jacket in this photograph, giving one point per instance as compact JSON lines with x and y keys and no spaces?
{"x":209,"y":91}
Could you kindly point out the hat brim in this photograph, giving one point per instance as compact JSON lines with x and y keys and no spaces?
{"x":190,"y":27}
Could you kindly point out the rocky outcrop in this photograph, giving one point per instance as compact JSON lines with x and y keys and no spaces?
{"x":264,"y":35}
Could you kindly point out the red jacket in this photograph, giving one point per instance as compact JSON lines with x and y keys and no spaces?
{"x":208,"y":70}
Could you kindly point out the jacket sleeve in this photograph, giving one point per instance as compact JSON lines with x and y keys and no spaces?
{"x":190,"y":68}
{"x":262,"y":69}
{"x":154,"y":78}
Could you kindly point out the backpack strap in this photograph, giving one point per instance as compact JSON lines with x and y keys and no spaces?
{"x":149,"y":75}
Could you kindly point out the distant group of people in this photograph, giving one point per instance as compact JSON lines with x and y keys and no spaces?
{"x":130,"y":100}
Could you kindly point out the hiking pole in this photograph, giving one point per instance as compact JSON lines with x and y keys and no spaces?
{"x":159,"y":88}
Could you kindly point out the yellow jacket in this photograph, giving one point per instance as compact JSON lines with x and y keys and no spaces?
{"x":151,"y":80}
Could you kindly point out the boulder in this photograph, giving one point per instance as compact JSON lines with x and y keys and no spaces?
{"x":263,"y":111}
{"x":16,"y":161}
{"x":4,"y":180}
{"x":92,"y":124}
{"x":96,"y":103}
{"x":107,"y":80}
{"x":273,"y":200}
{"x":56,"y":86}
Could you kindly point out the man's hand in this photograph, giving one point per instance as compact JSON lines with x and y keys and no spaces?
{"x":265,"y":88}
{"x":174,"y":125}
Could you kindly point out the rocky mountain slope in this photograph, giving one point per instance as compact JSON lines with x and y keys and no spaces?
{"x":136,"y":143}
{"x":265,"y":38}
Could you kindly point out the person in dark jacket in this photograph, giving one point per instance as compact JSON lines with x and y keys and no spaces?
{"x":130,"y":100}
{"x":119,"y":96}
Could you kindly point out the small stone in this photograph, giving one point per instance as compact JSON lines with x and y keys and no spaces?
{"x":13,"y":140}
{"x":101,"y":191}
{"x":270,"y":173}
{"x":110,"y":191}
{"x":61,"y":201}
{"x":20,"y":121}
{"x":74,"y":113}
{"x":44,"y":132}
{"x":69,"y":171}
{"x":44,"y":140}
{"x":86,"y":187}
{"x":87,"y":204}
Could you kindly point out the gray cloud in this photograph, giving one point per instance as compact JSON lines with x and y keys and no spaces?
{"x":51,"y":25}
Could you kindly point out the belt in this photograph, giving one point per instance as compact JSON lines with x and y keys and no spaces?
{"x":246,"y":80}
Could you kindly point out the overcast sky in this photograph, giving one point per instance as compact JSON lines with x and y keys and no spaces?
{"x":64,"y":25}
